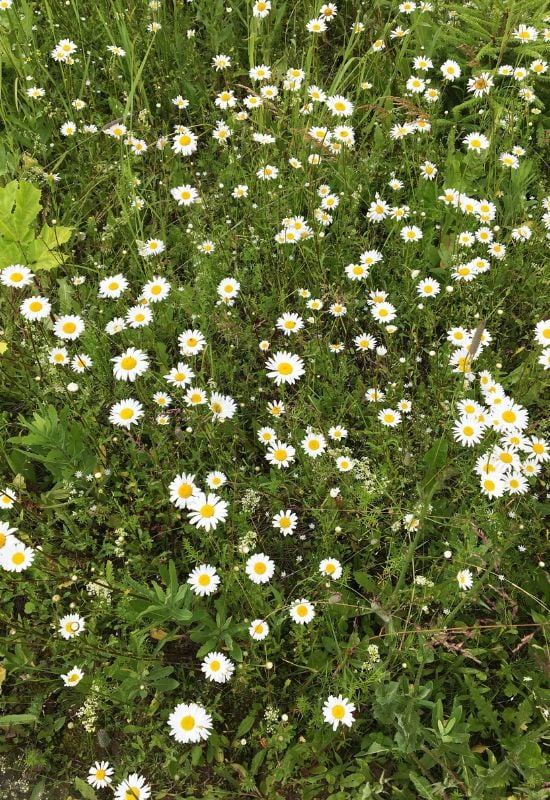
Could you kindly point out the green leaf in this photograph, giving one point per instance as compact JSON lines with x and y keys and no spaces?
{"x":27,"y":205}
{"x":247,"y":722}
{"x":85,"y":789}
{"x":18,"y":719}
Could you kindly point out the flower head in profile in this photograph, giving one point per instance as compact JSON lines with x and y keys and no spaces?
{"x":465,"y":579}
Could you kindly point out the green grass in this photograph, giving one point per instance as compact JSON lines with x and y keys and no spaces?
{"x":448,"y":684}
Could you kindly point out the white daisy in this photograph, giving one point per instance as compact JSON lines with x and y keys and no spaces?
{"x":206,"y":511}
{"x":338,"y":711}
{"x":130,"y":364}
{"x":204,"y":580}
{"x":260,"y":568}
{"x":217,"y":667}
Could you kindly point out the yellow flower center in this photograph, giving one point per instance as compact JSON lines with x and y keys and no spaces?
{"x":18,"y":558}
{"x":195,"y":397}
{"x":132,"y":793}
{"x":59,"y":357}
{"x":36,"y":305}
{"x":340,"y":106}
{"x":16,"y":277}
{"x":113,"y":286}
{"x":330,"y":568}
{"x":284,"y":522}
{"x":207,"y":510}
{"x":73,"y":679}
{"x":259,"y":628}
{"x":279,"y":454}
{"x":127,"y":413}
{"x":2,"y":540}
{"x":100,"y":774}
{"x":156,"y":289}
{"x":302,"y":611}
{"x":179,"y":376}
{"x":338,"y":712}
{"x":509,"y":416}
{"x":284,"y":368}
{"x":192,"y":342}
{"x":204,"y":579}
{"x":314,"y":444}
{"x":216,"y":407}
{"x":260,"y":567}
{"x":215,"y":666}
{"x":128,"y":363}
{"x":139,"y":318}
{"x":468,"y":430}
{"x":489,"y":485}
{"x":185,"y":490}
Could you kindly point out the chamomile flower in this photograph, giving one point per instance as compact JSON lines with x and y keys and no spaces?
{"x":290,"y":323}
{"x":138,"y":316}
{"x":267,"y":435}
{"x":68,"y":327}
{"x":344,"y":464}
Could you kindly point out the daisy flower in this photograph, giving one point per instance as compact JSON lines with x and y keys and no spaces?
{"x":180,"y":375}
{"x":204,"y":580}
{"x":285,"y":521}
{"x":184,"y":142}
{"x":331,"y":567}
{"x":258,"y":629}
{"x":194,"y":396}
{"x":206,"y":511}
{"x":338,"y":711}
{"x":126,"y":413}
{"x":191,"y":342}
{"x":216,"y":479}
{"x":465,"y":579}
{"x":7,"y":498}
{"x":34,"y":308}
{"x":260,"y":568}
{"x":344,"y":464}
{"x":285,"y":367}
{"x":71,"y":625}
{"x":302,"y":611}
{"x":152,"y":247}
{"x":339,"y":106}
{"x":113,"y":286}
{"x":182,"y":489}
{"x":314,"y":444}
{"x":280,"y":454}
{"x":290,"y":323}
{"x":17,"y":276}
{"x":155,"y":290}
{"x":72,"y":677}
{"x":133,"y":788}
{"x":476,"y":142}
{"x":99,"y":775}
{"x":68,"y":327}
{"x":228,"y":289}
{"x":389,"y":417}
{"x":130,"y":364}
{"x":139,"y":316}
{"x":267,"y":435}
{"x":217,"y":667}
{"x":15,"y":556}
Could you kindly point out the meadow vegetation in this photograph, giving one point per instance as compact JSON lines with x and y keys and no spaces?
{"x":274,"y":353}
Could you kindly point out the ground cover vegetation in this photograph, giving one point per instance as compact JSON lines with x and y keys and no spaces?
{"x":274,"y":352}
